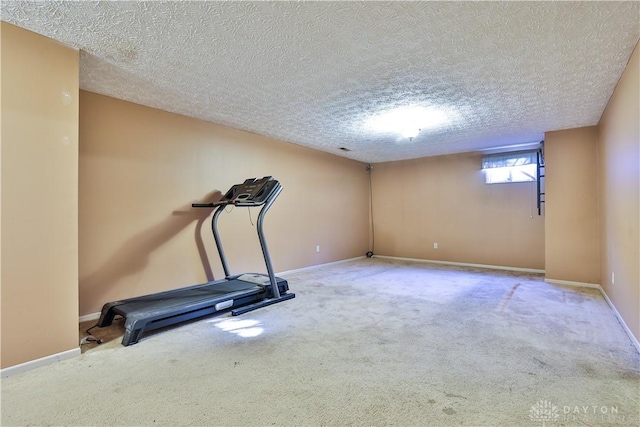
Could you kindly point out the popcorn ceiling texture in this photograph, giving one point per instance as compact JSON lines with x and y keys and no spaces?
{"x":311,"y":73}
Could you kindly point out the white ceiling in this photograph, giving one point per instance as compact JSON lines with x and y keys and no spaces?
{"x":313,"y":73}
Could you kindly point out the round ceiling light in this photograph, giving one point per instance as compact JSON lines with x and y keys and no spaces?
{"x":407,"y":121}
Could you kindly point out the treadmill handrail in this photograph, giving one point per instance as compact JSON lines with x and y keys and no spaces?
{"x":216,"y":237}
{"x":209,"y":205}
{"x":263,"y":243}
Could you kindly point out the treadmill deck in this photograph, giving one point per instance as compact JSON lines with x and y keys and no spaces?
{"x":167,"y":308}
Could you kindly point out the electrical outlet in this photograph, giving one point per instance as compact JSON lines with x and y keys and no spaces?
{"x":435,"y":246}
{"x":613,"y":278}
{"x":317,"y":248}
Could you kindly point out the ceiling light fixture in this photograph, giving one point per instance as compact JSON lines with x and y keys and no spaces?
{"x":407,"y":121}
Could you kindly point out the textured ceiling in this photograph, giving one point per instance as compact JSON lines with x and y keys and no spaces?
{"x":313,"y":73}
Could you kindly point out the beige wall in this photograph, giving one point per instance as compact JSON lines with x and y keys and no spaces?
{"x":39,"y":265}
{"x":571,"y":210}
{"x":141,"y":168}
{"x":619,"y":201}
{"x":444,"y":200}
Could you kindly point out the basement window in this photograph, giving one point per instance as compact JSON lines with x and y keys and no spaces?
{"x":518,"y":166}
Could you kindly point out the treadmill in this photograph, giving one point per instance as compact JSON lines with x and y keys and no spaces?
{"x":238,"y":294}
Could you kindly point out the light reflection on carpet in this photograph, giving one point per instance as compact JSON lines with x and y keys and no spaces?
{"x":245,"y":328}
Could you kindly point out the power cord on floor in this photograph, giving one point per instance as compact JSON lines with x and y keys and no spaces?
{"x":90,"y":338}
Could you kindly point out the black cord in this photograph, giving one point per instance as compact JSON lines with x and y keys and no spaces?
{"x":373,"y":236}
{"x":250,"y":220}
{"x":90,"y":338}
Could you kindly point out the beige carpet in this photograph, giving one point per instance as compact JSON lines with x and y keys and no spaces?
{"x":367,"y":342}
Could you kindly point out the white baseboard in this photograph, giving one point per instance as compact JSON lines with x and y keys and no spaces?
{"x":87,"y":317}
{"x":576,"y":284}
{"x":43,"y":361}
{"x":632,"y":337}
{"x":464,"y":264}
{"x":313,"y":267}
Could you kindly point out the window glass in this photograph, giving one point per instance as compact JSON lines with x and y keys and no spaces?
{"x":518,"y":166}
{"x":524,"y":173}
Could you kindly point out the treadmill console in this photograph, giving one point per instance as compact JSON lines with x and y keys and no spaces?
{"x":252,"y":192}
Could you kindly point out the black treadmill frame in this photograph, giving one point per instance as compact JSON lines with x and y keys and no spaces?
{"x":165,"y":308}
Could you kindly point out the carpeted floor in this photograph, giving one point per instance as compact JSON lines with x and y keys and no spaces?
{"x":366,"y":342}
